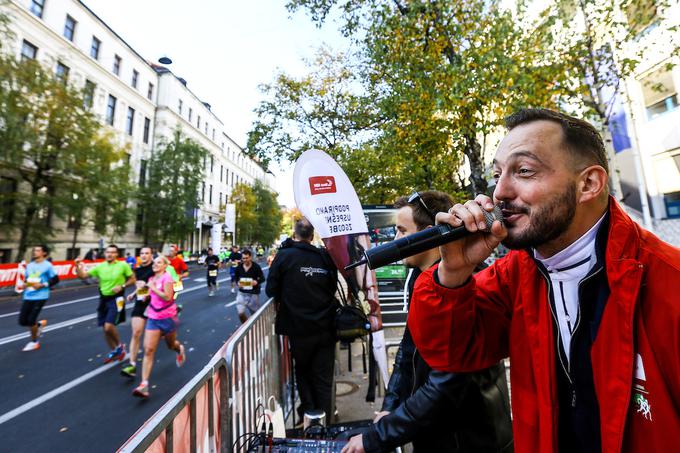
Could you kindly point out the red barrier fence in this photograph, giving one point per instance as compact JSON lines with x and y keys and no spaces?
{"x":66,"y":270}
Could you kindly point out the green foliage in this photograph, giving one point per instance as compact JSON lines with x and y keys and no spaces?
{"x":268,"y":213}
{"x":432,"y":81}
{"x":258,"y":214}
{"x":53,"y":149}
{"x":245,"y":201}
{"x":170,"y":196}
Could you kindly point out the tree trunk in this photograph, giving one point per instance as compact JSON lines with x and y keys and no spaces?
{"x":26,"y":229}
{"x":76,"y":230}
{"x":473,"y":151}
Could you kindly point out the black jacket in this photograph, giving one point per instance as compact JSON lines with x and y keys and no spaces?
{"x":443,"y":412}
{"x":302,"y":280}
{"x":255,"y":272}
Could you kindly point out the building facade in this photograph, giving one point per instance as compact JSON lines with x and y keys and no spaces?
{"x":139,"y":102}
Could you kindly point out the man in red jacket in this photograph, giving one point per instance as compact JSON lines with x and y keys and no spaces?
{"x":586,"y":304}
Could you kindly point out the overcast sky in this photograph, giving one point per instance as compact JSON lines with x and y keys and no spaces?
{"x":224,"y":49}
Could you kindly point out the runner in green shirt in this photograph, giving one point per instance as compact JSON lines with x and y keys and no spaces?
{"x":113,"y":276}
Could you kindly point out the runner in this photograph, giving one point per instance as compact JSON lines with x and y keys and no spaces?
{"x":212,"y":262}
{"x":141,"y":297}
{"x":235,"y":260}
{"x":40,"y":277}
{"x":113,"y":276}
{"x":249,"y":276}
{"x":162,"y":314}
{"x":180,"y":267}
{"x":132,"y":262}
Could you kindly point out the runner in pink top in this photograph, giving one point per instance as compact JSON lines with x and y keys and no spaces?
{"x":162,"y":322}
{"x":158,"y":307}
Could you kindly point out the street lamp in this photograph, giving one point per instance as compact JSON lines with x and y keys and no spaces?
{"x":165,"y":60}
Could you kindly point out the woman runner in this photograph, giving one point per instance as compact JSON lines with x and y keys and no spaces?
{"x":162,"y":314}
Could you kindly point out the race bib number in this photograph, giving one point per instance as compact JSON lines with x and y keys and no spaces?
{"x":142,"y":293}
{"x":212,"y":273}
{"x":178,"y":286}
{"x":120,"y":303}
{"x":245,"y":284}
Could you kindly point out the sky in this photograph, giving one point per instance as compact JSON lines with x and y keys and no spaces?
{"x":224,"y":49}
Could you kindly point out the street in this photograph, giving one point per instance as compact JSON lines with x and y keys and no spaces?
{"x":62,"y":397}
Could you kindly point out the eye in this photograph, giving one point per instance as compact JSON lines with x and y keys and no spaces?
{"x":523,"y":171}
{"x":496,"y":175}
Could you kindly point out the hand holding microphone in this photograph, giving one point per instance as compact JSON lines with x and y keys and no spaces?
{"x":459,"y":258}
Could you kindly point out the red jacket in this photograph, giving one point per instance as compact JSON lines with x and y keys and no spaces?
{"x":504,"y":311}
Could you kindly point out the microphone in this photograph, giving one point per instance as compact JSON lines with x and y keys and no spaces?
{"x":418,"y":242}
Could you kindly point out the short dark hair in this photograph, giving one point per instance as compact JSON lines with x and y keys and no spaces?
{"x":113,"y":246}
{"x":246,"y":252}
{"x":209,"y":248}
{"x":435,"y":200}
{"x":304,"y":230}
{"x":45,"y":248}
{"x":146,"y":247}
{"x":579,"y":136}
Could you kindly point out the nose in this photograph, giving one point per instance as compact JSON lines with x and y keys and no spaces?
{"x":504,"y":190}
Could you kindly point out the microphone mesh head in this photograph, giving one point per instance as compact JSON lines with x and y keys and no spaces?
{"x":496,"y":214}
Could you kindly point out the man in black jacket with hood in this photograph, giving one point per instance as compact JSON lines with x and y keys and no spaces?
{"x":436,"y":411}
{"x":302,"y":280}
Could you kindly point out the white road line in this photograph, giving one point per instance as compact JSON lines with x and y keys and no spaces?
{"x":61,"y":304}
{"x":231,"y":304}
{"x":70,"y":322}
{"x":56,"y":392}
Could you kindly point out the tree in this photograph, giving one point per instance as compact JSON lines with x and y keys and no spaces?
{"x":245,"y":203}
{"x":170,"y":195}
{"x":50,"y":142}
{"x":268,"y":214}
{"x":440,"y":76}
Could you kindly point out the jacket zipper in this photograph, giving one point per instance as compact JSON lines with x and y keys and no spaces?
{"x":413,"y":365}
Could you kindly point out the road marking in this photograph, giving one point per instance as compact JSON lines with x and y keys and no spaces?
{"x":85,"y":318}
{"x":56,"y":392}
{"x":231,"y":304}
{"x":61,"y":304}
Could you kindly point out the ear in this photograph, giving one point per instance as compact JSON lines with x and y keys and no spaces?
{"x":592,"y":183}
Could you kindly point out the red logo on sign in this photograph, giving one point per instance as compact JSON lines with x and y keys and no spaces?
{"x":322,"y":184}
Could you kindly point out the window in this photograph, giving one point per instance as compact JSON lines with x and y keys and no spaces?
{"x":226,"y":176}
{"x":219,"y":200}
{"x":135,"y":78}
{"x":149,"y":92}
{"x":72,"y":253}
{"x":111,"y":110}
{"x":210,"y":195}
{"x":116,"y":65}
{"x":659,"y":93}
{"x":88,"y":93}
{"x":202,"y":191}
{"x":191,"y":112}
{"x":94,"y":48}
{"x":142,"y":173}
{"x":232,"y":179}
{"x":5,"y":256}
{"x":147,"y":126}
{"x":8,"y":188}
{"x":213,"y":134}
{"x":62,"y":71}
{"x":212,"y":161}
{"x":642,"y":15}
{"x":198,"y":122}
{"x":179,"y":106}
{"x":206,"y":128}
{"x":139,"y":225}
{"x":69,"y":28}
{"x":37,"y":7}
{"x":221,"y":172}
{"x":28,"y":51}
{"x":130,"y":120}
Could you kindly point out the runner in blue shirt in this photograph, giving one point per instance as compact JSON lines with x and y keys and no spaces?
{"x":39,"y":277}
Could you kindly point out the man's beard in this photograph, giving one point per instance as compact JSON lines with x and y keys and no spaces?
{"x":546,"y":222}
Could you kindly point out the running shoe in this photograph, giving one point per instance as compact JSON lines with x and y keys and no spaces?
{"x":181,"y":357}
{"x":31,"y":346}
{"x":41,"y":325}
{"x":233,"y":290}
{"x":129,"y":371}
{"x":142,"y":390}
{"x":211,"y":293}
{"x":116,"y":354}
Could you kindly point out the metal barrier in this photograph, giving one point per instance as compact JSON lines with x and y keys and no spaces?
{"x":218,"y":405}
